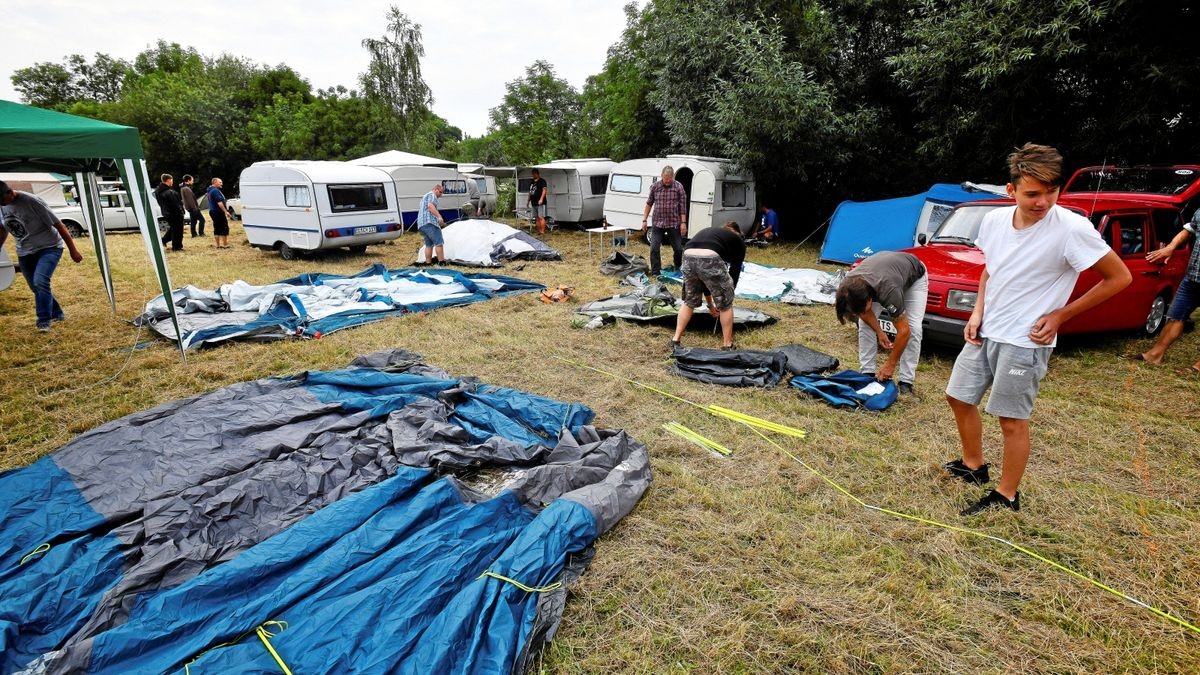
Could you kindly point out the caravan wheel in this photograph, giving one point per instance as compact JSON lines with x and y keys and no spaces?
{"x":287,"y":252}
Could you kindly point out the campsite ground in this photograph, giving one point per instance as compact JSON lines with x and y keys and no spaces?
{"x":748,"y":563}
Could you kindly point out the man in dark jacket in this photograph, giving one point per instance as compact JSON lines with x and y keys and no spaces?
{"x":712,"y":263}
{"x":172,"y":210}
{"x":195,"y":216}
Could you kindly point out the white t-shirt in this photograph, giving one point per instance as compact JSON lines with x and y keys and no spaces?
{"x":1031,"y":272}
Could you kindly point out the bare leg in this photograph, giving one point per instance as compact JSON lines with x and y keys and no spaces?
{"x":681,"y":323}
{"x":727,"y":327}
{"x":970,"y":431}
{"x":441,"y":253}
{"x":1016,"y":455}
{"x":1170,"y":333}
{"x":428,"y":255}
{"x":541,"y":225}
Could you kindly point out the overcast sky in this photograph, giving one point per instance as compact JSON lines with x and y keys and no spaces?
{"x":471,"y":48}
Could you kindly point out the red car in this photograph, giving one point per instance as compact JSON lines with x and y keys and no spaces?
{"x":1132,"y":226}
{"x":1178,"y":185}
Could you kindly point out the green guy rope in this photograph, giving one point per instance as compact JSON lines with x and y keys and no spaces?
{"x":755,"y":425}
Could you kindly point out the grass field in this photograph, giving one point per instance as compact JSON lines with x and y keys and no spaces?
{"x":748,"y":563}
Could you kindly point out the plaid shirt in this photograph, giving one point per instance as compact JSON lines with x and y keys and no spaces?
{"x":670,"y":204}
{"x":1193,"y":268}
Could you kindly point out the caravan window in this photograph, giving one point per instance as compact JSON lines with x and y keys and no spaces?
{"x":454,"y":187}
{"x":623,"y":182}
{"x":297,"y":195}
{"x":366,"y":197}
{"x":481,"y":184}
{"x":733,"y":194}
{"x":599,"y":183}
{"x":523,"y":185}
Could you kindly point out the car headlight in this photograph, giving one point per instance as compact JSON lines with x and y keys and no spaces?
{"x":963,"y":301}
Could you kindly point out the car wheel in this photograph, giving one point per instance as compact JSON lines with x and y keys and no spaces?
{"x":287,"y":252}
{"x":1157,"y":316}
{"x":75,"y":228}
{"x":358,"y":250}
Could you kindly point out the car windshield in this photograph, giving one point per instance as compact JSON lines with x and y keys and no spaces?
{"x":962,"y":225}
{"x":1143,"y":180}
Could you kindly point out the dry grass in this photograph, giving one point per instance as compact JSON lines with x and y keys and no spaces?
{"x":745,"y":564}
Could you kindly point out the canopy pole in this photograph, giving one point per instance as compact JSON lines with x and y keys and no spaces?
{"x":137,"y":180}
{"x":88,"y":190}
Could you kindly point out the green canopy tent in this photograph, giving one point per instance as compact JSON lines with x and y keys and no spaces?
{"x":35,"y":139}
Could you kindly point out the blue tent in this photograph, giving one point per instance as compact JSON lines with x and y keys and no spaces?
{"x":858,"y":229}
{"x":384,"y":517}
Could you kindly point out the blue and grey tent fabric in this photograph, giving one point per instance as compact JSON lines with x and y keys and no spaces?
{"x":622,"y":264}
{"x":359,"y":508}
{"x":802,"y":360}
{"x":314,"y":304}
{"x":486,"y":243}
{"x":790,"y":285}
{"x":736,"y":368}
{"x":655,"y":304}
{"x":848,"y":389}
{"x":859,"y":229}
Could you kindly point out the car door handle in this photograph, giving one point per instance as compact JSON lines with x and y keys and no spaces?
{"x":1152,"y":273}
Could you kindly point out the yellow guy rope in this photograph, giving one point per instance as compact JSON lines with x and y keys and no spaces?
{"x":263,"y":634}
{"x":755,"y":426}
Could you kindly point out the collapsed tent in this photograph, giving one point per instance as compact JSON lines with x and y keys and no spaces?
{"x":621,"y":264}
{"x":385,"y":517}
{"x":486,"y":243}
{"x":735,"y":368}
{"x":654,"y":304}
{"x":858,"y":229}
{"x":848,"y":389}
{"x":791,"y":285}
{"x":313,"y":304}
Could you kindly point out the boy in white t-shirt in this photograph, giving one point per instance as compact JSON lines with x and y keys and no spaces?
{"x":1035,"y":251}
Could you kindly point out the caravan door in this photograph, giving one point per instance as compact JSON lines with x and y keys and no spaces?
{"x":700,"y":214}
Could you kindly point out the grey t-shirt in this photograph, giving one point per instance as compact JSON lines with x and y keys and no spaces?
{"x":31,"y":223}
{"x":890,"y":273}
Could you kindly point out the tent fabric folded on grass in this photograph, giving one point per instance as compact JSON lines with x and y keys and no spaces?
{"x":359,"y":508}
{"x":740,"y":368}
{"x":848,"y":389}
{"x":314,"y":304}
{"x":621,"y":264}
{"x":486,"y":243}
{"x":654,"y":304}
{"x":790,"y":285}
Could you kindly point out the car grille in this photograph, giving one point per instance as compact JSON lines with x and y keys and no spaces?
{"x":934,"y":301}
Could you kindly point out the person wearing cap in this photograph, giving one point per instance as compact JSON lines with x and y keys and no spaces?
{"x":40,"y":237}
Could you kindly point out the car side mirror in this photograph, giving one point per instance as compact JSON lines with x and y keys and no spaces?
{"x":922,"y":239}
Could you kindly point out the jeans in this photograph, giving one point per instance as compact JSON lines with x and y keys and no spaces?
{"x":656,"y":238}
{"x":38,"y":267}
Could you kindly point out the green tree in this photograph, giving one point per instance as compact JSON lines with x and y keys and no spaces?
{"x":337,"y":124}
{"x":538,"y":119}
{"x":58,"y":86}
{"x":393,"y":76}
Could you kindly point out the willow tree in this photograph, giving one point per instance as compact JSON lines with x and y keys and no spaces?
{"x":394,"y":74}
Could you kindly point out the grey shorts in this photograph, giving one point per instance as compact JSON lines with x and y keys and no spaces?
{"x":706,"y":274}
{"x":537,"y":211}
{"x":1013,"y":373}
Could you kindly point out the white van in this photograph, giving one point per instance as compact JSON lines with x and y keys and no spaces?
{"x":576,"y":188}
{"x":293,"y":206}
{"x":716,"y":194}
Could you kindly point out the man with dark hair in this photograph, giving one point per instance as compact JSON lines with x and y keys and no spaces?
{"x":537,"y":201}
{"x":768,"y":225}
{"x":1034,"y":252}
{"x":669,"y":200}
{"x":895,"y":282}
{"x":195,"y":215}
{"x":712,"y":263}
{"x":40,"y":237}
{"x":172,"y":210}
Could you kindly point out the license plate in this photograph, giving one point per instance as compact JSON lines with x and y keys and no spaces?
{"x":888,"y":327}
{"x":365,"y":230}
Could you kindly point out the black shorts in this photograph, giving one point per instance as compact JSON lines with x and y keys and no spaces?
{"x":220,"y":223}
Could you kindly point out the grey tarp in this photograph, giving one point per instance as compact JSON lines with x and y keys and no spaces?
{"x":735,"y":368}
{"x":655,"y":304}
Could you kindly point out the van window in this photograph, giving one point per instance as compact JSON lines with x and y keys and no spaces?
{"x":454,"y":187}
{"x":623,"y":182}
{"x":365,"y":197}
{"x":1167,"y":224}
{"x":297,"y":195}
{"x":733,"y":194}
{"x":599,"y":184}
{"x":1126,"y":233}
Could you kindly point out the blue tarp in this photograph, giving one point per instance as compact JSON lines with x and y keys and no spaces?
{"x":326,"y":502}
{"x":842,"y":390}
{"x":858,"y":229}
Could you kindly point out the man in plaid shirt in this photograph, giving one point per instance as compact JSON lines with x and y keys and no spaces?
{"x":1187,"y":297}
{"x":670,"y":218}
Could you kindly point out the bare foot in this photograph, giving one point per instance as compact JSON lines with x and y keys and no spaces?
{"x":1150,"y":359}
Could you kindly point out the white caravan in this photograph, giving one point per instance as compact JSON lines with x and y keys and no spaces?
{"x":576,"y":188}
{"x":413,"y":181}
{"x":716,"y":195}
{"x":308,"y":206}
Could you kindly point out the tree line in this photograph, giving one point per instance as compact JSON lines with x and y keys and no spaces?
{"x":822,"y":100}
